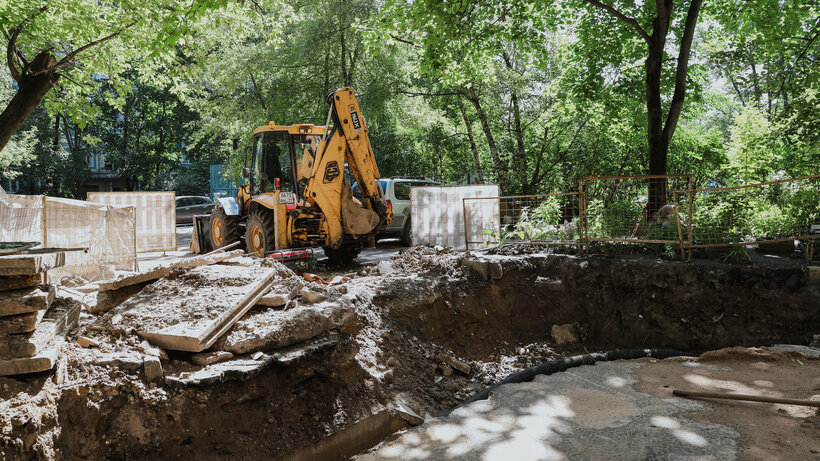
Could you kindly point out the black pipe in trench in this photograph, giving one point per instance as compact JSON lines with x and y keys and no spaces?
{"x":554,"y":366}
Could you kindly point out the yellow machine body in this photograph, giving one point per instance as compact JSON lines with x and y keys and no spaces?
{"x":297,"y":192}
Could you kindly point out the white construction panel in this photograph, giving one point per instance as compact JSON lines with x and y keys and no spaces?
{"x":107,"y":231}
{"x":438,"y":212}
{"x":156,"y":216}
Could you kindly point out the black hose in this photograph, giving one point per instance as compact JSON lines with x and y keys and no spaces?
{"x":554,"y":366}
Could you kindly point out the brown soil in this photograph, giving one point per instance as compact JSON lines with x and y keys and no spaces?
{"x":769,"y":431}
{"x":406,"y":312}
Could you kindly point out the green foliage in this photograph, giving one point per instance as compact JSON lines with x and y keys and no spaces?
{"x":119,"y":37}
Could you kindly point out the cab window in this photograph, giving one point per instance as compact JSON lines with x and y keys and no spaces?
{"x":272,"y":160}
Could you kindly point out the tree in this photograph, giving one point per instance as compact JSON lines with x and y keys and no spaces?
{"x":659,"y":130}
{"x":79,"y":41}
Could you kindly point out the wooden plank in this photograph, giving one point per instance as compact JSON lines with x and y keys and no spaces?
{"x":63,"y":315}
{"x":189,"y":310}
{"x":159,"y":272}
{"x":30,"y":264}
{"x":26,"y":300}
{"x":16,"y":282}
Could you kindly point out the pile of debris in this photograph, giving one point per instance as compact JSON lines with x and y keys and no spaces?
{"x":33,"y":320}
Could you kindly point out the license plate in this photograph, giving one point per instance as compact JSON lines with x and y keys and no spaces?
{"x":288,"y":198}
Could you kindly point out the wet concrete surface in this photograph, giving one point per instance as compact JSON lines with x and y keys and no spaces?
{"x":590,"y":412}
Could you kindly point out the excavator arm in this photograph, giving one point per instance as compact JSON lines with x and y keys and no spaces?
{"x":346,"y":140}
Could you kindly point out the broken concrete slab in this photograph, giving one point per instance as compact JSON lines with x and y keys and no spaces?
{"x":189,"y":310}
{"x":60,"y":317}
{"x":565,"y":334}
{"x":109,"y":299}
{"x":20,"y":323}
{"x":271,"y":329}
{"x":311,"y":296}
{"x":479,"y":267}
{"x":455,"y":363}
{"x":245,"y":368}
{"x":26,"y":300}
{"x":159,"y":272}
{"x":16,"y":282}
{"x":124,"y":360}
{"x":404,"y":406}
{"x":85,"y":341}
{"x":152,"y":367}
{"x":273,"y":300}
{"x":207,"y":358}
{"x":43,"y":361}
{"x":30,"y":264}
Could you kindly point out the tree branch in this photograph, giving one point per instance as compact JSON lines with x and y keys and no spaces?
{"x":11,"y":49}
{"x":70,"y":57}
{"x":622,"y":17}
{"x":682,"y":68}
{"x":258,"y":95}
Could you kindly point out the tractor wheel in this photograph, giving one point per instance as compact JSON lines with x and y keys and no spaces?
{"x":345,"y":254}
{"x":260,"y":233}
{"x":224,"y":229}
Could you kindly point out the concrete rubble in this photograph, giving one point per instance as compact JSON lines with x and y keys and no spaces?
{"x":33,"y":318}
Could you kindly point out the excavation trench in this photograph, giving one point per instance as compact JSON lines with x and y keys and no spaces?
{"x":494,"y":314}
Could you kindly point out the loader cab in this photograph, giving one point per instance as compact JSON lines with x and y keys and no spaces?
{"x":282,"y":157}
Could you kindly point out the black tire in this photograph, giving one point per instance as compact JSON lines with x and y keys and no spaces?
{"x":406,"y":237}
{"x":345,"y":254}
{"x":223,"y":230}
{"x":260,"y":232}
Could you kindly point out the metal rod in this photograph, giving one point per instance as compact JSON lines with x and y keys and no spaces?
{"x":750,"y":398}
{"x":226,"y":247}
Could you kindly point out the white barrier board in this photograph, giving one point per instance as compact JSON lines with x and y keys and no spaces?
{"x":438,"y":212}
{"x":156,"y":216}
{"x":107,"y":231}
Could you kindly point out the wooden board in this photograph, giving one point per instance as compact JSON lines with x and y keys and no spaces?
{"x":30,"y":264}
{"x":189,"y":311}
{"x":63,"y":315}
{"x":26,"y":300}
{"x":159,"y":272}
{"x":16,"y":282}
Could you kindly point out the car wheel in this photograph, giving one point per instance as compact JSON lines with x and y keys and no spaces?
{"x":406,"y":237}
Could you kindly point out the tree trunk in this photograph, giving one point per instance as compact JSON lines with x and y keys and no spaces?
{"x":521,"y":153}
{"x":485,"y":125}
{"x":470,"y":136}
{"x":32,"y":89}
{"x":519,"y":138}
{"x":658,"y":143}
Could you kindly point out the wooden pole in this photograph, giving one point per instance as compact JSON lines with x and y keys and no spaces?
{"x":750,"y":398}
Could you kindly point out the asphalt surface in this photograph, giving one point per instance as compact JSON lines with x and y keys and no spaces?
{"x":385,"y":249}
{"x":589,"y":413}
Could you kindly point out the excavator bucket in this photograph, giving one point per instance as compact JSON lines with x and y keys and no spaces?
{"x":356,"y":220}
{"x":200,"y":243}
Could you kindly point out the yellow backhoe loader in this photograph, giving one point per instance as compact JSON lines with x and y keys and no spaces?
{"x":295,"y":192}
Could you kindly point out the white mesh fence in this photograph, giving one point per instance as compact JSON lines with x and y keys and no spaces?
{"x":438,"y":213}
{"x":156,"y":216}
